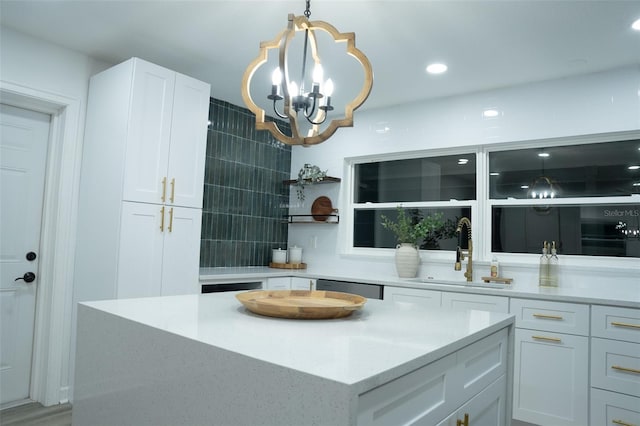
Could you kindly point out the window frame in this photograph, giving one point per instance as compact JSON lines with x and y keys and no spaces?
{"x":481,"y":207}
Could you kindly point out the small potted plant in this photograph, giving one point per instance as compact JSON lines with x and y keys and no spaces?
{"x":308,"y":175}
{"x":410,"y":231}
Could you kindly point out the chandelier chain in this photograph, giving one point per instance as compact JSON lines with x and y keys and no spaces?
{"x":307,"y":11}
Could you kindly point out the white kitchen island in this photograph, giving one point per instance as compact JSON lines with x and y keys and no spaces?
{"x":206,"y":360}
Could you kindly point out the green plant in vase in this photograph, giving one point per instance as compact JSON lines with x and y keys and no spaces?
{"x":414,"y":228}
{"x":411,"y":230}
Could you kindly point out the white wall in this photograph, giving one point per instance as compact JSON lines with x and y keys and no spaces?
{"x":591,"y":104}
{"x":41,"y":70}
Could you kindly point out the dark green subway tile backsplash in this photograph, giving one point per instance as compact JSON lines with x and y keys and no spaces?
{"x":244,"y":198}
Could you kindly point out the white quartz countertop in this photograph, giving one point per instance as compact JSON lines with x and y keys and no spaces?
{"x":382,"y":341}
{"x":609,"y":292}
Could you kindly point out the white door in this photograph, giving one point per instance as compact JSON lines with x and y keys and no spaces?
{"x":140,"y":253}
{"x":24,"y":138}
{"x":181,"y":252}
{"x":188,"y":142}
{"x":149,"y":134}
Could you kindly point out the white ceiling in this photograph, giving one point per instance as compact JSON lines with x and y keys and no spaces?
{"x":486,"y":44}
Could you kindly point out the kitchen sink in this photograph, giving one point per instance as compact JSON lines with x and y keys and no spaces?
{"x":461,"y":283}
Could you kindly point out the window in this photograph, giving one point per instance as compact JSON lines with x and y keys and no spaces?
{"x":577,"y":195}
{"x":583,"y":196}
{"x":444,"y":184}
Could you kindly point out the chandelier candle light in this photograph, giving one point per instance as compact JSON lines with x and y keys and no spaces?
{"x":298,"y":106}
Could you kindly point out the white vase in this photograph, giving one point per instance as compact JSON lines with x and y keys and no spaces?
{"x":407,"y":260}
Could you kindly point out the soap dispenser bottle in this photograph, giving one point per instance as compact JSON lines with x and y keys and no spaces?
{"x":543,"y":275}
{"x":553,"y":266}
{"x":495,"y":271}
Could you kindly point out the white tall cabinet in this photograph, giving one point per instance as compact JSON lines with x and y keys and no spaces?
{"x":141,"y":183}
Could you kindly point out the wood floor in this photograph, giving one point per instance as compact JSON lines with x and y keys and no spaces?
{"x":34,"y":414}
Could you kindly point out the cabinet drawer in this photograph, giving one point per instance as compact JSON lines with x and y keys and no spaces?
{"x":557,"y":317}
{"x":615,"y":323}
{"x":481,"y":363}
{"x":418,"y":397}
{"x":615,"y":366}
{"x":614,"y":409}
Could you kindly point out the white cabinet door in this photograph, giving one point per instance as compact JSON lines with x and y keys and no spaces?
{"x":185,"y":175}
{"x":551,"y":378}
{"x":299,"y":283}
{"x":148,"y":132}
{"x":475,"y":301}
{"x":416,"y":296}
{"x":279,"y":283}
{"x":486,"y":408}
{"x":181,"y":253}
{"x":140,"y":251}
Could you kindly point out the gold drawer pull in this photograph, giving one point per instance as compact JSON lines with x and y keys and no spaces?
{"x":621,"y":423}
{"x":170,"y":220}
{"x":162,"y":219}
{"x":553,"y":317}
{"x":549,"y":339}
{"x":624,"y":324}
{"x":173,"y":189}
{"x":164,"y":189}
{"x":628,"y":370}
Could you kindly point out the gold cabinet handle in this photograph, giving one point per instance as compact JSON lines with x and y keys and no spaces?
{"x":626,"y":369}
{"x":625,"y":324}
{"x":621,"y":423}
{"x":548,"y":339}
{"x":545,"y":316}
{"x":173,"y":189}
{"x":170,"y":219}
{"x":162,"y":219}
{"x":464,"y":422}
{"x":164,"y":189}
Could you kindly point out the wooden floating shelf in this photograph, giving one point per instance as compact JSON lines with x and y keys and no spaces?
{"x":333,"y":219}
{"x":326,"y":179}
{"x":497,"y":280}
{"x":288,"y":265}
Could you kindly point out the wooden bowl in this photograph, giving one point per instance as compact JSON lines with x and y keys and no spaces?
{"x":301,"y":304}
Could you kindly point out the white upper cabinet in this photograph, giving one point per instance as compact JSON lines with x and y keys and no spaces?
{"x":166,"y":137}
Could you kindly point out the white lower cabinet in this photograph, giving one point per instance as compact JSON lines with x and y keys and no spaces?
{"x":486,"y":408}
{"x":430,"y":298}
{"x":612,"y":408}
{"x":278,"y":283}
{"x":158,"y":256}
{"x":472,"y":380}
{"x":615,"y":366}
{"x":550,"y":369}
{"x":479,"y":302}
{"x":299,"y":283}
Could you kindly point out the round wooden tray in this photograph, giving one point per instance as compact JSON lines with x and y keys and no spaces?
{"x":301,"y":304}
{"x":322,"y":208}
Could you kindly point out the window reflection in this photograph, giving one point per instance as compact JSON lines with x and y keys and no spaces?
{"x":590,"y":170}
{"x":595,"y":230}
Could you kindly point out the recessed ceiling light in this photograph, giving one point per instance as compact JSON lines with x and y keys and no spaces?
{"x":634,"y":167}
{"x":436,"y":68}
{"x":524,"y":186}
{"x":636,"y":25}
{"x":543,"y":154}
{"x":488,"y":113}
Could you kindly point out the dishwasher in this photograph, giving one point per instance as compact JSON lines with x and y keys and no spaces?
{"x":370,"y":291}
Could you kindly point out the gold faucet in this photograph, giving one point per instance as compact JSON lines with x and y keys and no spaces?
{"x":460,"y":254}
